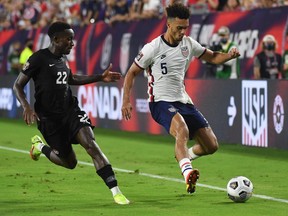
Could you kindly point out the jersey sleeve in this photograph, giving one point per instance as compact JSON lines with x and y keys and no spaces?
{"x":197,"y":48}
{"x":32,"y":65}
{"x":145,"y":56}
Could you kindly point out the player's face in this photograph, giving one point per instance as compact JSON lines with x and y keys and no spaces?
{"x":65,"y":42}
{"x":177,"y":28}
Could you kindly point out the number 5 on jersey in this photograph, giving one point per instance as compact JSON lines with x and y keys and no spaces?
{"x":164,"y":68}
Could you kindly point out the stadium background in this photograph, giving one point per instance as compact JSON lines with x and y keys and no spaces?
{"x":240,"y":111}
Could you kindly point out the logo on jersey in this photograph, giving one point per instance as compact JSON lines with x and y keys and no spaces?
{"x":26,"y":66}
{"x":254,"y":113}
{"x":185,"y":51}
{"x":139,"y":56}
{"x":163,"y":56}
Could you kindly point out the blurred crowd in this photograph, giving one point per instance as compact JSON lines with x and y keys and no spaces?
{"x":27,"y":14}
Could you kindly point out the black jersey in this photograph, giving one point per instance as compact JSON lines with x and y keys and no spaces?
{"x":270,"y":66}
{"x":50,"y":74}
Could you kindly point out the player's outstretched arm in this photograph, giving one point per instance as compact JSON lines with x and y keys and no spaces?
{"x":219,"y":57}
{"x":29,"y":115}
{"x":107,"y":76}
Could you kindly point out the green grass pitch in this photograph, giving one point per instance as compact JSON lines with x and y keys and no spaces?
{"x":148,"y":175}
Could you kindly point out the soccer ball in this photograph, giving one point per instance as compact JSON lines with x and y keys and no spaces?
{"x":239,"y":189}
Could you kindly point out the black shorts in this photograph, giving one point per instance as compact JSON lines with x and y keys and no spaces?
{"x":60,"y":131}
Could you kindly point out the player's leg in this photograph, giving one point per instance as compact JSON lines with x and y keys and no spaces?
{"x":59,"y":150}
{"x":179,"y":130}
{"x":206,"y":143}
{"x":68,"y":161}
{"x":201,"y":132}
{"x":85,"y":137}
{"x":167,"y":114}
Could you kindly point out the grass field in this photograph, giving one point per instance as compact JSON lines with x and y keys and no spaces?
{"x":147,"y":174}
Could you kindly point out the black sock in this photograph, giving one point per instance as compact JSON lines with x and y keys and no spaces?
{"x":46,"y":150}
{"x":108,"y":176}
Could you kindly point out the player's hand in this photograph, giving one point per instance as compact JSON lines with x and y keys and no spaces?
{"x":30,"y":116}
{"x":110,"y":76}
{"x":234,"y":53}
{"x":126,"y":111}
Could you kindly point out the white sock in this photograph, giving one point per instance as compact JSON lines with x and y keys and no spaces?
{"x":186,"y":167}
{"x":115,"y":190}
{"x":40,"y":146}
{"x":192,"y":155}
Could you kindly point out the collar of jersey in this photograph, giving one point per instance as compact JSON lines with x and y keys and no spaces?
{"x":162,"y":36}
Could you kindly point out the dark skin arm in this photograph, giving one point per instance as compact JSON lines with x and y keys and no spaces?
{"x":107,"y":76}
{"x":29,"y":114}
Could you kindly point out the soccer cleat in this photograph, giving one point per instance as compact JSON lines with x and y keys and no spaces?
{"x":191,"y":181}
{"x":34,"y":151}
{"x":121,"y":199}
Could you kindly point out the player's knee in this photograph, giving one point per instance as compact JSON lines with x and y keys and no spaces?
{"x":72,"y":164}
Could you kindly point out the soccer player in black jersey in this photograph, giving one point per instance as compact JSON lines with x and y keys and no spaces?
{"x":57,"y":113}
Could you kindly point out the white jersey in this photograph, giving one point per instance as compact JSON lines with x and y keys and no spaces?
{"x":166,"y":66}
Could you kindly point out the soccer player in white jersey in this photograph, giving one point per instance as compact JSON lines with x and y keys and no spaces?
{"x":166,"y":60}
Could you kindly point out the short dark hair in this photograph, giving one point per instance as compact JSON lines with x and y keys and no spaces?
{"x":56,"y":27}
{"x":178,"y":10}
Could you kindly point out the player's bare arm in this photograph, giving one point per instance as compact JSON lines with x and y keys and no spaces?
{"x":29,"y":114}
{"x":133,"y":71}
{"x":219,"y":57}
{"x":107,"y":76}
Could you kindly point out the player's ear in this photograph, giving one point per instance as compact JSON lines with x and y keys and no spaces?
{"x":169,"y":22}
{"x":55,"y":39}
